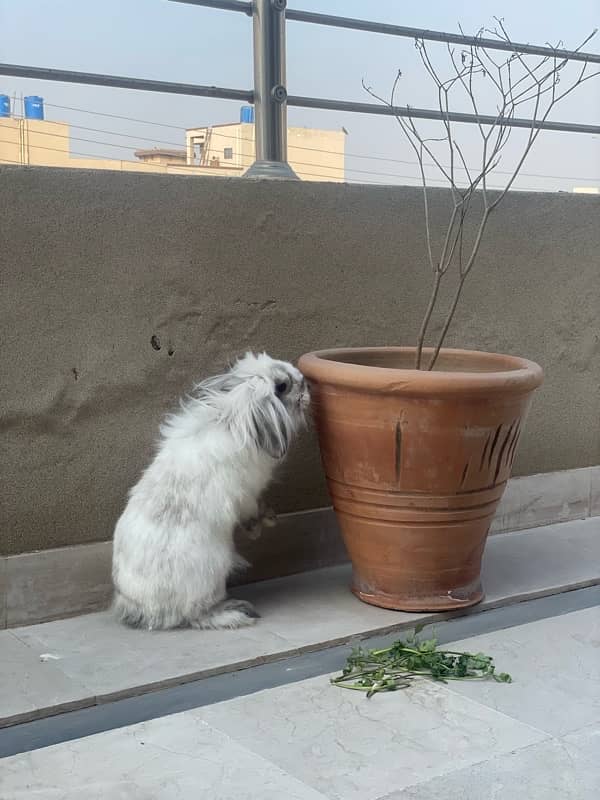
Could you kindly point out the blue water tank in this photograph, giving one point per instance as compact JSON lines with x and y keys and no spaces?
{"x":34,"y":107}
{"x":4,"y":105}
{"x":246,"y":114}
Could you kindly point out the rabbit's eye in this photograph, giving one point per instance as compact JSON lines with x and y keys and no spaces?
{"x":281,"y":387}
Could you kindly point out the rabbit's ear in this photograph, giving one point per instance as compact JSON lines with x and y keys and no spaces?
{"x":257,"y":416}
{"x":212,"y":388}
{"x":273,"y":429}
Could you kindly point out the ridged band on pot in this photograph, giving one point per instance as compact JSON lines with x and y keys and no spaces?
{"x":416,"y":463}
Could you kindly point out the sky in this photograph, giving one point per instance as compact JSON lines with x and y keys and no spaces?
{"x":171,"y":41}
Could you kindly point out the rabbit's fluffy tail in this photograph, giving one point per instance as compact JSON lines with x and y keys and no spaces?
{"x":229,"y":613}
{"x":129,"y":612}
{"x":134,"y":615}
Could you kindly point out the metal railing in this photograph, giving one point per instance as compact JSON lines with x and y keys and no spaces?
{"x":269,"y":95}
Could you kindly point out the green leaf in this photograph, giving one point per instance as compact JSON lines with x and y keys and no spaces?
{"x":398,"y":666}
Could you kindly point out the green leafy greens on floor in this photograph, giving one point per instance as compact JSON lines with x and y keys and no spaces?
{"x":396,"y":667}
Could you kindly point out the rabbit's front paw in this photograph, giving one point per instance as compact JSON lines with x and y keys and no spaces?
{"x":269,"y":518}
{"x":252,"y":527}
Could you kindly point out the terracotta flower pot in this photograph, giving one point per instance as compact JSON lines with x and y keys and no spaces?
{"x":416,"y":463}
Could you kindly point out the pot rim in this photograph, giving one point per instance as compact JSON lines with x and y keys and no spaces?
{"x":513,"y":375}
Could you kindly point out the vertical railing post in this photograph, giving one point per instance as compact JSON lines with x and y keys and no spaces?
{"x":270,"y":94}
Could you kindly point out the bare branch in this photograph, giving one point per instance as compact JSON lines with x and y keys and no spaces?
{"x":517,"y":81}
{"x":427,"y":319}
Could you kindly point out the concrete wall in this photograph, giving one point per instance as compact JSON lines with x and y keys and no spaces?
{"x":120,"y":289}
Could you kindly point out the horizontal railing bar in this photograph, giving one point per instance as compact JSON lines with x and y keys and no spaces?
{"x":223,"y":5}
{"x":141,"y":84}
{"x":423,"y":113}
{"x":333,"y":21}
{"x":433,"y":36}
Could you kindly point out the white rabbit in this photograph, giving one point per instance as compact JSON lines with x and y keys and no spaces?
{"x":173,"y":544}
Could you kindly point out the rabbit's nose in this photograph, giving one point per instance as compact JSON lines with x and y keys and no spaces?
{"x":305,"y":394}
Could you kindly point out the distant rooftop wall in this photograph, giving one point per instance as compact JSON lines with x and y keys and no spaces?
{"x":229,"y":150}
{"x":121,"y":289}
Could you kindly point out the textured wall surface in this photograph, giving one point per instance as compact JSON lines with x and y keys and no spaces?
{"x":120,"y":290}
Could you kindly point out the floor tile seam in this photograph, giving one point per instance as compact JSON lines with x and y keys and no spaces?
{"x":196,"y":714}
{"x":543,"y":735}
{"x":477,"y":763}
{"x":450,"y":690}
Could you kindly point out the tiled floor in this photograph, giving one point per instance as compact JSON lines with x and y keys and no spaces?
{"x":557,"y":662}
{"x":549,"y":770}
{"x":29,"y":685}
{"x":90,"y":658}
{"x":536,"y":738}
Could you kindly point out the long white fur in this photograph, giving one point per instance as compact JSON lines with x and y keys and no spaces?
{"x":173,"y":544}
